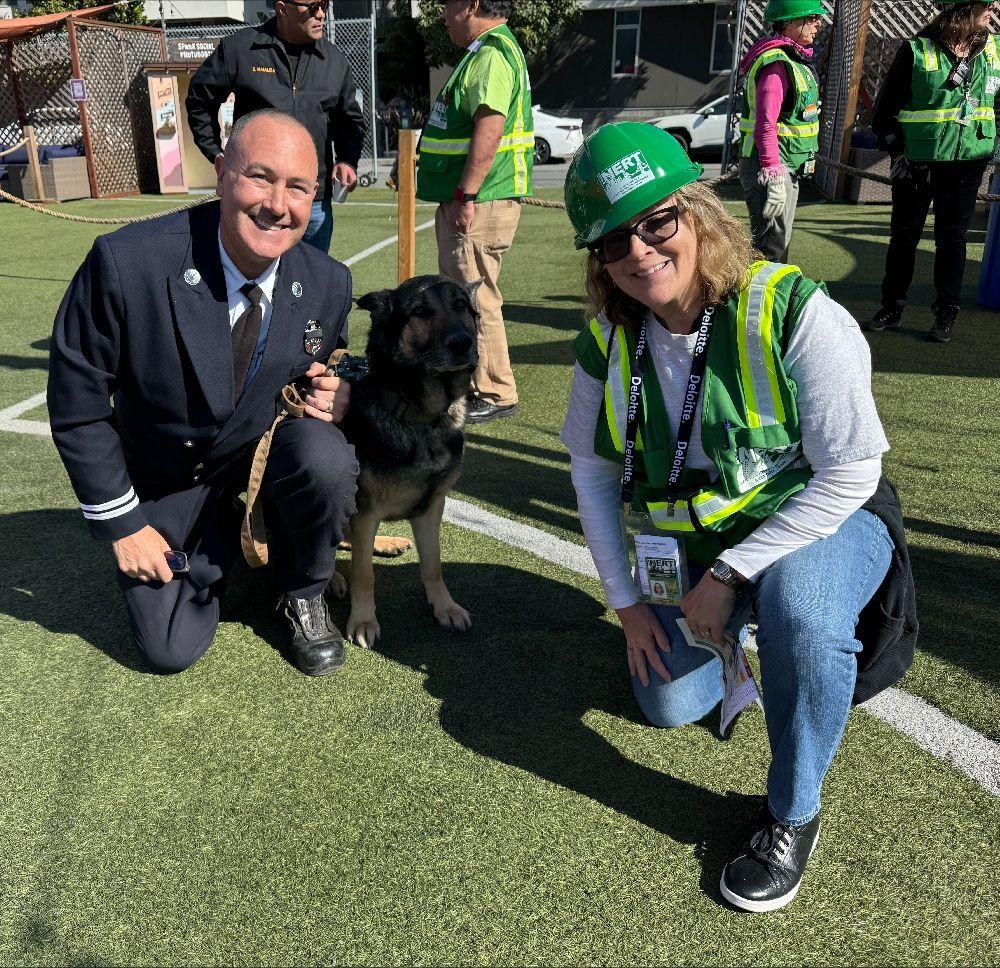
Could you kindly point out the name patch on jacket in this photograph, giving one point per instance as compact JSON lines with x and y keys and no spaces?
{"x":256,"y":69}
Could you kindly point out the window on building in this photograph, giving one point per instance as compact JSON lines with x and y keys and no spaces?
{"x":723,"y":37}
{"x":625,"y":54}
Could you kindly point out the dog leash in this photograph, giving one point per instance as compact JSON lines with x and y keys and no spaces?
{"x":253,"y":533}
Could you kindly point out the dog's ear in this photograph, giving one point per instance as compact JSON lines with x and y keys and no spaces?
{"x":378,"y":303}
{"x":472,"y":289}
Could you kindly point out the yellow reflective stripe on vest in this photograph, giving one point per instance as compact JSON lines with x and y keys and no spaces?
{"x":754,"y":319}
{"x":944,"y":115}
{"x":616,"y":393}
{"x":680,"y":520}
{"x":520,"y":149}
{"x":439,"y":146}
{"x":712,"y":506}
{"x":784,"y":130}
{"x":801,"y":75}
{"x":931,"y":62}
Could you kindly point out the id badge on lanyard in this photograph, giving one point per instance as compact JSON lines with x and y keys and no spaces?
{"x":658,"y":559}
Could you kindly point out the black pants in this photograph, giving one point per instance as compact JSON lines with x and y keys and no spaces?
{"x":952,"y":186}
{"x":308,"y":490}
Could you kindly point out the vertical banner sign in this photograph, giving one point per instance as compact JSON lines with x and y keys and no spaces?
{"x":166,"y":134}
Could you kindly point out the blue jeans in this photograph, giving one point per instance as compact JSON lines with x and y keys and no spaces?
{"x":319,"y":232}
{"x":807,"y":605}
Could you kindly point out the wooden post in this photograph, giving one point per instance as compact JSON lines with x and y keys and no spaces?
{"x":74,"y":56}
{"x":407,"y":204}
{"x":854,"y":85}
{"x":36,"y":168}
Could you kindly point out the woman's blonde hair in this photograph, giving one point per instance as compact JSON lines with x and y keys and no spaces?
{"x":725,"y":253}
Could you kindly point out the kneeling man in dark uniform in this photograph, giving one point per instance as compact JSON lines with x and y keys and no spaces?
{"x":169,"y":353}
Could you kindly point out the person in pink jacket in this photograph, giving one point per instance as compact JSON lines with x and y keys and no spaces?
{"x":780,"y":121}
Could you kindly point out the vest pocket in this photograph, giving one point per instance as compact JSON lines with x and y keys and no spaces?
{"x":435,"y":163}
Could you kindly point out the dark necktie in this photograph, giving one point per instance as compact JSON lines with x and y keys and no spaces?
{"x":246,"y":332}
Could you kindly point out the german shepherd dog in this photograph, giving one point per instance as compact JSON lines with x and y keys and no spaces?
{"x":405,"y":421}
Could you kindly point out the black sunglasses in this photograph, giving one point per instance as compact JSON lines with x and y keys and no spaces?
{"x":658,"y":226}
{"x":313,"y":8}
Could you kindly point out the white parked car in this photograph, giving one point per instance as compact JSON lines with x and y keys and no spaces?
{"x":705,"y":127}
{"x":555,"y":137}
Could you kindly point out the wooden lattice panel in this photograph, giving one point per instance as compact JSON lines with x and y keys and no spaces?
{"x":43,"y":70}
{"x":121,"y":131}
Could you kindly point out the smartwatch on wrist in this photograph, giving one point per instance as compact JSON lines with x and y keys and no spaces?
{"x":726,"y":575}
{"x":462,"y":196}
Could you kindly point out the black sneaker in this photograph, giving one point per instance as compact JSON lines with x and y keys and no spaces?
{"x":317,"y":645}
{"x":888,"y":317}
{"x":767,"y":875}
{"x":480,"y":410}
{"x":944,"y":322}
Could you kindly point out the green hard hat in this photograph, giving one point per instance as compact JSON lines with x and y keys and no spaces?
{"x":778,"y":10}
{"x":620,"y":170}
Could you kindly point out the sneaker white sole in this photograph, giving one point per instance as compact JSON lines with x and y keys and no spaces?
{"x":761,"y":907}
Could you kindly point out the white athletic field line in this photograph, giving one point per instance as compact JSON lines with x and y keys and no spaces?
{"x":9,"y":418}
{"x":934,"y":731}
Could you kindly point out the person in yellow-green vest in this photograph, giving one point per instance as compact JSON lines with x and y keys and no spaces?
{"x":475,"y":160}
{"x":722,"y":430}
{"x":780,"y":121}
{"x":935,"y":117}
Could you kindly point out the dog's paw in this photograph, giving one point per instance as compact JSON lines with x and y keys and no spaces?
{"x":337,"y":587}
{"x":453,"y":617}
{"x":387,"y":546}
{"x":364,"y":632}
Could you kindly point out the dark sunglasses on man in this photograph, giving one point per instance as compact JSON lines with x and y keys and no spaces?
{"x":657,"y":227}
{"x":312,"y":7}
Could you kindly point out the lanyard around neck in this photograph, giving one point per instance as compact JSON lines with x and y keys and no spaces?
{"x":633,"y":415}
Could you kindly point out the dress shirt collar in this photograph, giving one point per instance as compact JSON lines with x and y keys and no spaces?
{"x":235,"y":279}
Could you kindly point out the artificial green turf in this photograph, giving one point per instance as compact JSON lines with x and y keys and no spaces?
{"x":489,"y":799}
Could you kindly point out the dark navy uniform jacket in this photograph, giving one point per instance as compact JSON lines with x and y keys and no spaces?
{"x":145,"y":325}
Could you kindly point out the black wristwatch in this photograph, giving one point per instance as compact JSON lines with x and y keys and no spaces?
{"x":726,"y":575}
{"x":462,"y":196}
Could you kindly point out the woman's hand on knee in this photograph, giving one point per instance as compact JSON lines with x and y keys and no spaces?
{"x":643,"y":633}
{"x":707,"y":608}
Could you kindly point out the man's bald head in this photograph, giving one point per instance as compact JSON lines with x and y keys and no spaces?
{"x":273,"y":124}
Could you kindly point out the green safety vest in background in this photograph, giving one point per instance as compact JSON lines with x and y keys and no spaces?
{"x":798,"y":129}
{"x":447,"y":136}
{"x":749,"y":419}
{"x":945,"y":123}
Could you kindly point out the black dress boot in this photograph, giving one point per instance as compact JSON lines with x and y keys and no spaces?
{"x":944,"y":322}
{"x":766,"y":875}
{"x":888,"y":317}
{"x":317,"y":645}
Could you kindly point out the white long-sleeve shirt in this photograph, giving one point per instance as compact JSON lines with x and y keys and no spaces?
{"x":842,"y":439}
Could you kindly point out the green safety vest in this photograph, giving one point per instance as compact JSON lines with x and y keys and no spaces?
{"x":798,"y":129}
{"x":749,"y":419}
{"x":945,"y":123}
{"x":447,"y":136}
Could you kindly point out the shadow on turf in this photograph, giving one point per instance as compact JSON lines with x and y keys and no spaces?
{"x":539,"y":658}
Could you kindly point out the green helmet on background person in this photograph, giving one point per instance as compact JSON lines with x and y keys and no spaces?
{"x":780,"y":10}
{"x":618,"y":172}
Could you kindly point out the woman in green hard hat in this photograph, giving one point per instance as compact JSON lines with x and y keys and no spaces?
{"x":780,"y":121}
{"x":935,"y":117}
{"x":725,"y":403}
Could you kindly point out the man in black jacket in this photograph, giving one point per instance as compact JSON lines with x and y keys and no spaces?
{"x":286,"y":64}
{"x":168,"y":356}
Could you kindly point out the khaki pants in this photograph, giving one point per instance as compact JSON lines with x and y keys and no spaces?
{"x":469,"y":258}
